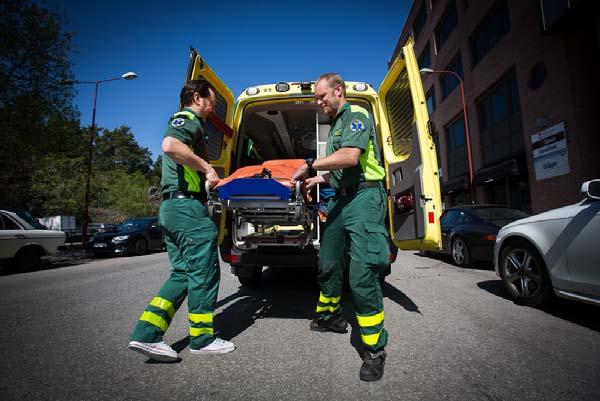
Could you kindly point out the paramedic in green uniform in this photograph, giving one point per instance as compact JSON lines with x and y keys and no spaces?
{"x":355,"y":223}
{"x":189,"y":233}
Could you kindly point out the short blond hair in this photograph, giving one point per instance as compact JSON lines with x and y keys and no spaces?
{"x":333,"y":79}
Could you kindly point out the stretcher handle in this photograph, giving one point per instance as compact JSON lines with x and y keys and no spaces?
{"x":298,"y":191}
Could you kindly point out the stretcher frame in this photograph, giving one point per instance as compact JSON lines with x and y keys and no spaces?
{"x":269,"y":211}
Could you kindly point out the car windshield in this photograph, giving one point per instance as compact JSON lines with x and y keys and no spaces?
{"x":28,"y":218}
{"x":500,"y":216}
{"x":132,"y":225}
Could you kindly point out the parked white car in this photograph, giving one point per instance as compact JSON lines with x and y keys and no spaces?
{"x":20,"y":241}
{"x":558,"y":250}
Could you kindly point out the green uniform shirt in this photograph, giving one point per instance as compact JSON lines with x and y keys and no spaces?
{"x":186,"y":126}
{"x":353,"y":128}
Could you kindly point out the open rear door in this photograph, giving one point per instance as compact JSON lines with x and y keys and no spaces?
{"x":219,"y":127}
{"x":414,"y":206}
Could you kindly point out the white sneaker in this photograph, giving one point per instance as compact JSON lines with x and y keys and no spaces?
{"x":158,"y":351}
{"x":218,"y":346}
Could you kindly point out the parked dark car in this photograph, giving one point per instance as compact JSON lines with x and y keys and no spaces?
{"x":132,"y":237}
{"x":469,"y":232}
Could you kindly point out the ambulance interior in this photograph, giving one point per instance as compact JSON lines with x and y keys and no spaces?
{"x":275,"y":131}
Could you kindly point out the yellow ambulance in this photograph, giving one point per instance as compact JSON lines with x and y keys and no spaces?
{"x":283,"y":121}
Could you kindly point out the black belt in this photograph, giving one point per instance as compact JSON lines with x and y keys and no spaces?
{"x":351,"y":191}
{"x":184,"y":195}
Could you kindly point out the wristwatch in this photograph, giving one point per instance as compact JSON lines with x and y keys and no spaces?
{"x":311,"y":171}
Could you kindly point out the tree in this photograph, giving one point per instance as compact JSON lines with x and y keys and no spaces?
{"x":118,"y":149}
{"x":156,"y":171}
{"x":56,"y":185}
{"x":36,"y":113}
{"x":128,"y":193}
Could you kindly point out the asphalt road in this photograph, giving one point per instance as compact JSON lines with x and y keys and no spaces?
{"x":453,"y":336}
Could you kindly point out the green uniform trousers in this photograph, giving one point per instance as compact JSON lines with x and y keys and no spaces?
{"x":191,"y":239}
{"x":355,"y":228}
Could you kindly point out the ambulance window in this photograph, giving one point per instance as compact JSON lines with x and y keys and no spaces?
{"x":215,"y":137}
{"x":400,"y":115}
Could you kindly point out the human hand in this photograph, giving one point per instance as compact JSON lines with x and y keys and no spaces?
{"x":300,"y":173}
{"x":212,"y":177}
{"x":313,"y":181}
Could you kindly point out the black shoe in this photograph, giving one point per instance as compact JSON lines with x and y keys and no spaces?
{"x":335,"y":323}
{"x":372,"y":367}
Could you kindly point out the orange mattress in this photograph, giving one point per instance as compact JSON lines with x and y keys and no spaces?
{"x":280,"y":170}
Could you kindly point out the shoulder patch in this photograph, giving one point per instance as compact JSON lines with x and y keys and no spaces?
{"x":178,"y":122}
{"x":356,"y":125}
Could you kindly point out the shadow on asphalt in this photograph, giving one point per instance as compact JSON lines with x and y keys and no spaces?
{"x":63,"y":259}
{"x":56,"y":262}
{"x":391,"y":292}
{"x":287,"y":294}
{"x":479,"y":265}
{"x":575,"y":312}
{"x":155,"y":362}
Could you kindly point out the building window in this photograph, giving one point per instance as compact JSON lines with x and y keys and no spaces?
{"x":554,"y":10}
{"x":425,"y":58}
{"x":438,"y":153}
{"x":456,"y":148}
{"x":430,"y":97}
{"x":446,"y":25}
{"x":489,"y":33}
{"x":419,"y":21}
{"x":499,"y":112}
{"x":449,"y":81}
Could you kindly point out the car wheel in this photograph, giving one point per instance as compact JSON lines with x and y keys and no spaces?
{"x":28,"y":258}
{"x":141,"y":246}
{"x":524,"y":274}
{"x":250,"y":275}
{"x":460,"y":252}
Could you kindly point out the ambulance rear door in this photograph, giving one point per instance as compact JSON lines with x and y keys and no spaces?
{"x":414,"y":205}
{"x":218,"y":128}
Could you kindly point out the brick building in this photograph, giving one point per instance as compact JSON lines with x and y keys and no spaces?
{"x":529,"y":69}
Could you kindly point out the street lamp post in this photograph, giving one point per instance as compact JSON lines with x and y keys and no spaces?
{"x":467,"y":134}
{"x":86,"y":202}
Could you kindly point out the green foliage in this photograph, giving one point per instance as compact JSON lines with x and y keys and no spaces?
{"x":57,"y":185}
{"x":44,"y":152}
{"x":118,"y":149}
{"x":156,"y":171}
{"x":128,"y":193}
{"x":36,"y":114}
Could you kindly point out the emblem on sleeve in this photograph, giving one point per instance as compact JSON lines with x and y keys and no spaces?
{"x":356,"y":125}
{"x":178,"y":122}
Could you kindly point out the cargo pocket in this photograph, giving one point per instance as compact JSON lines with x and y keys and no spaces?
{"x":378,"y":251}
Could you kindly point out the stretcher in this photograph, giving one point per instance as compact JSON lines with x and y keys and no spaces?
{"x":266,"y":208}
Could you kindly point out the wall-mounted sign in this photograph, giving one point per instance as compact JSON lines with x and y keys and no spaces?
{"x":550,"y":155}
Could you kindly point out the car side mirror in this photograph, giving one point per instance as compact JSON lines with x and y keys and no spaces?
{"x":591,"y":189}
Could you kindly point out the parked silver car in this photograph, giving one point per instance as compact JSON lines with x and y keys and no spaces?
{"x":555,"y":251}
{"x":25,"y":244}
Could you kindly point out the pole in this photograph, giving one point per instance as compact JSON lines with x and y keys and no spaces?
{"x":468,"y":137}
{"x":86,"y":202}
{"x":466,"y":120}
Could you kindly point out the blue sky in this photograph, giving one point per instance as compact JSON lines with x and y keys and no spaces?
{"x":245,"y":42}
